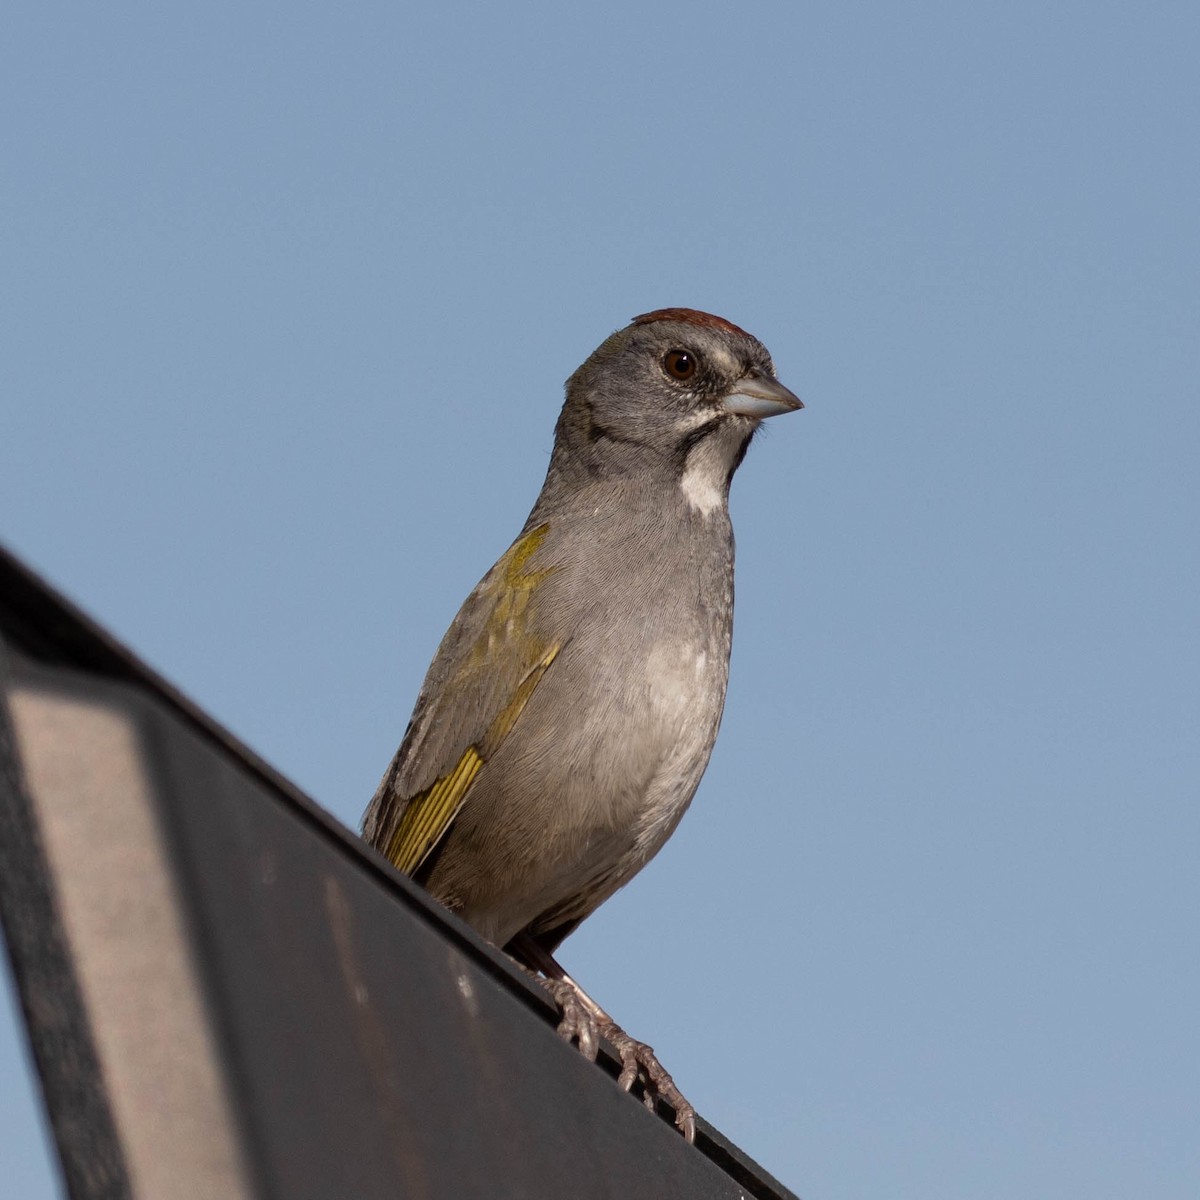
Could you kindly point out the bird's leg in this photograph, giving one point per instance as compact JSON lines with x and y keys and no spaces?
{"x":585,"y":1022}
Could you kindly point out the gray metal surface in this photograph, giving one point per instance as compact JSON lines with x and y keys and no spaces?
{"x":227,"y":993}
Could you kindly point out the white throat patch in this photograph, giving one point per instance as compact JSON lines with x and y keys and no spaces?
{"x":704,"y":478}
{"x":700,"y":492}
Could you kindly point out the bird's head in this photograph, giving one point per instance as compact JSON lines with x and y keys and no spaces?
{"x":678,"y":394}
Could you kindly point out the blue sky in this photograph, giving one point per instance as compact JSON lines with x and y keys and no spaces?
{"x":290,"y":295}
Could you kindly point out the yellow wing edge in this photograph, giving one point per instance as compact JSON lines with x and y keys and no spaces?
{"x":428,"y":815}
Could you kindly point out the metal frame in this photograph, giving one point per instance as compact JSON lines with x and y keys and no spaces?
{"x":228,"y":994}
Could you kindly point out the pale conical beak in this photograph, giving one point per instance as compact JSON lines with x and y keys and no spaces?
{"x":761,"y":396}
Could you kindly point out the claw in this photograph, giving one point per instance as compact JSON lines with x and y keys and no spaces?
{"x":629,"y":1073}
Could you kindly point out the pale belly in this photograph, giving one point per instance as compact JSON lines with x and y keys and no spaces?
{"x":617,"y":808}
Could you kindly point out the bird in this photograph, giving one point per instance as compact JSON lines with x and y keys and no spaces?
{"x":571,"y":708}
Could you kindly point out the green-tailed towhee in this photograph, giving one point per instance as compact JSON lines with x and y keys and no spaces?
{"x":571,"y":708}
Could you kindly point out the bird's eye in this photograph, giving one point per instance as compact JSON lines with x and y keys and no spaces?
{"x":679,"y":364}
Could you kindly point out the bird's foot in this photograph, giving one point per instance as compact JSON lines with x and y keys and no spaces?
{"x":585,"y":1023}
{"x":639,"y":1060}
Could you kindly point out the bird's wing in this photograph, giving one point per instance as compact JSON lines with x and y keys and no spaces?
{"x":487,"y":667}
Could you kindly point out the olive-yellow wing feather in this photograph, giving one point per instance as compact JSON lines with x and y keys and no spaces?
{"x":486,"y":669}
{"x":427,"y":815}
